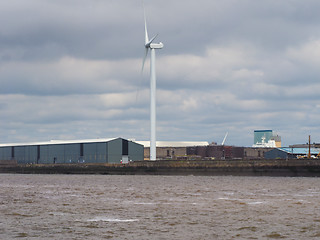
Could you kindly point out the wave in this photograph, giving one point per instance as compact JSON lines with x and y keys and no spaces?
{"x":108,"y":219}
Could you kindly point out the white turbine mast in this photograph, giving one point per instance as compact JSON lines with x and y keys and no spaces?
{"x":148,"y":44}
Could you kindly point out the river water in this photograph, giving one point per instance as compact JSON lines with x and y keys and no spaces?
{"x":158,"y":207}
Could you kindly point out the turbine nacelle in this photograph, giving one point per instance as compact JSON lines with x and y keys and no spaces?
{"x":150,"y":45}
{"x":156,"y":45}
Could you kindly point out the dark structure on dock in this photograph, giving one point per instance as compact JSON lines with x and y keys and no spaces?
{"x":216,"y":152}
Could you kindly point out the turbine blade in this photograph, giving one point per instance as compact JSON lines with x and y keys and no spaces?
{"x":145,"y":25}
{"x":144,"y":59}
{"x":152,"y":39}
{"x":224,"y":139}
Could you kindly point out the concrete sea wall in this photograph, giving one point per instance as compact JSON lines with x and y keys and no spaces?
{"x":276,"y":167}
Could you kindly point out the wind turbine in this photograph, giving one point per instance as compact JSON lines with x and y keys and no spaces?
{"x":148,"y":44}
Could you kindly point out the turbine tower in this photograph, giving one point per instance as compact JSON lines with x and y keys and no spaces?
{"x":148,"y":44}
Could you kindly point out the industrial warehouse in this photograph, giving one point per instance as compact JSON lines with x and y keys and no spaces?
{"x":115,"y":150}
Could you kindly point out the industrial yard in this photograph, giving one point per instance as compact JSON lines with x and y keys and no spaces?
{"x":121,"y":156}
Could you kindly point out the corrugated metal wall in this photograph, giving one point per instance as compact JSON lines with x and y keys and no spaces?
{"x":136,"y":151}
{"x":5,"y":153}
{"x":95,"y":152}
{"x":115,"y":151}
{"x":19,"y":154}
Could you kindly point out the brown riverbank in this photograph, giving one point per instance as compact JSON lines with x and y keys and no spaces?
{"x":276,"y":167}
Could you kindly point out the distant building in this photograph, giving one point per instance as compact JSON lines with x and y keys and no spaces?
{"x":305,"y":145}
{"x":170,"y":149}
{"x":193,"y":150}
{"x":217,"y":152}
{"x":289,"y":153}
{"x":266,"y":138}
{"x":114,"y":150}
{"x":255,"y":152}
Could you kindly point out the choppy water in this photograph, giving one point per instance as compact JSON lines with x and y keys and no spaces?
{"x":158,"y":207}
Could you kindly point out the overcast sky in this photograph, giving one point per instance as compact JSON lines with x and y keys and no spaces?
{"x":71,"y":69}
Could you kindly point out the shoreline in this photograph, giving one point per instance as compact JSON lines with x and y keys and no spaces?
{"x":256,"y":167}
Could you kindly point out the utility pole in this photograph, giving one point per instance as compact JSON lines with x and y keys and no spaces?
{"x":309,"y":153}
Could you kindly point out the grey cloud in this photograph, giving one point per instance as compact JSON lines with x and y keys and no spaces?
{"x":69,"y":76}
{"x":71,"y":69}
{"x":77,"y":28}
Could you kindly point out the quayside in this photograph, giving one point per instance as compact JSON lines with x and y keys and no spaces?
{"x":273,"y":167}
